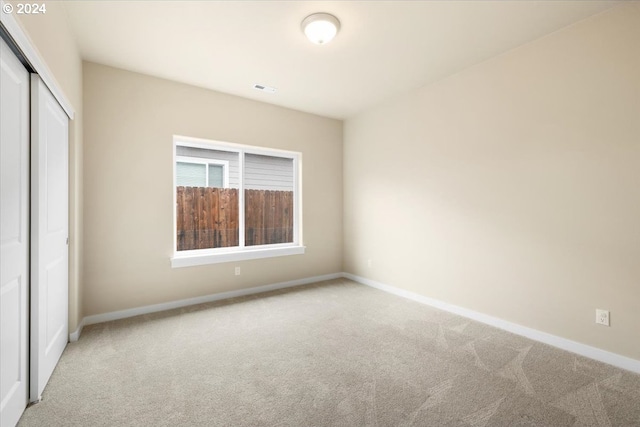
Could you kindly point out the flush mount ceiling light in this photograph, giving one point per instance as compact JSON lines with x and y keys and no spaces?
{"x":320,"y":28}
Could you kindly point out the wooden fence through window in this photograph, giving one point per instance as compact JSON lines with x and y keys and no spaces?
{"x":208,"y":217}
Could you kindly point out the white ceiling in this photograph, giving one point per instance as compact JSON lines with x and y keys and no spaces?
{"x":384,"y":48}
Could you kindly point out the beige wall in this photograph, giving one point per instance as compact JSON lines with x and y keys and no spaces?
{"x":129,"y":123}
{"x":512,"y":188}
{"x":52,"y":37}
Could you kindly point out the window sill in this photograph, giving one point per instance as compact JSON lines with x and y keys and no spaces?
{"x":191,"y":259}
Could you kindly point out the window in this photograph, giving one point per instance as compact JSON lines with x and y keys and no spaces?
{"x":234,"y":202}
{"x":195,"y":172}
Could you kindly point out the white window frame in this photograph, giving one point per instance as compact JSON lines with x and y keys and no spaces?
{"x":241,"y":252}
{"x":207,"y":162}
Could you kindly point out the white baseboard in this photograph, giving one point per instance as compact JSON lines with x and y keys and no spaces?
{"x":75,"y":335}
{"x":122,"y":314}
{"x":553,"y":340}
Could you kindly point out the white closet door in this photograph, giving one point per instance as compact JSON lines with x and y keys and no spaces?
{"x":49,"y":234}
{"x":14,"y":236}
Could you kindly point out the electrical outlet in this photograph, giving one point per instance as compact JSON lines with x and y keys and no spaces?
{"x":369,"y":263}
{"x":602,"y":317}
{"x":237,"y":271}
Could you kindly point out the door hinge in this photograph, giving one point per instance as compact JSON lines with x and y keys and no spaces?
{"x":67,"y":240}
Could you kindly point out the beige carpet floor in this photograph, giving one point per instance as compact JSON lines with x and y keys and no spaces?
{"x":332,"y":354}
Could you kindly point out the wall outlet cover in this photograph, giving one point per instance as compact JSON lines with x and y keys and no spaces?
{"x":602,"y":317}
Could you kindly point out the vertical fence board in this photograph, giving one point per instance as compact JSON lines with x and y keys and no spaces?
{"x":213,"y":217}
{"x":271,"y":214}
{"x":249,"y":197}
{"x":190,"y":228}
{"x":233,"y":218}
{"x":222,"y":218}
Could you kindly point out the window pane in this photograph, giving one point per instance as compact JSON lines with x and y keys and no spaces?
{"x":190,"y":174}
{"x":268,"y":182}
{"x":208,"y":216}
{"x":225,"y":156}
{"x":216,"y":176}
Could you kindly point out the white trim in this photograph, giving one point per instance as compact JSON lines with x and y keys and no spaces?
{"x":614,"y":359}
{"x":241,"y":203}
{"x":174,"y":157}
{"x":544,"y":337}
{"x":75,"y":335}
{"x":123,"y":314}
{"x":197,"y":257}
{"x":31,"y":54}
{"x":297,"y":199}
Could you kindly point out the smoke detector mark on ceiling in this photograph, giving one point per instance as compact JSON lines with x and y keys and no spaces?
{"x":264,"y":88}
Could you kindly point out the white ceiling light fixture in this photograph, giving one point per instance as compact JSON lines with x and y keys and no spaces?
{"x":320,"y":28}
